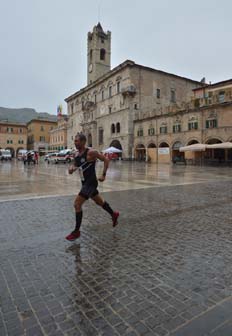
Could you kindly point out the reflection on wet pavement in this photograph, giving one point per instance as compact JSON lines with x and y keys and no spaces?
{"x":18,"y":181}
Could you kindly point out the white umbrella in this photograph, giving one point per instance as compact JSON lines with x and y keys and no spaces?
{"x":225,"y":145}
{"x":112,"y":150}
{"x":194,"y":148}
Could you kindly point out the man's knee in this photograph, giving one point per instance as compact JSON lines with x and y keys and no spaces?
{"x":77,"y":206}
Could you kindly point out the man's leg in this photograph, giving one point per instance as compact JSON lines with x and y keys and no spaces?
{"x":78,"y":210}
{"x":114,"y":214}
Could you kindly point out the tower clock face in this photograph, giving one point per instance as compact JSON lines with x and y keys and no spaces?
{"x":90,"y":67}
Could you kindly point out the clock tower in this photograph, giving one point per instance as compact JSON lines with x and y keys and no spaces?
{"x":99,"y":53}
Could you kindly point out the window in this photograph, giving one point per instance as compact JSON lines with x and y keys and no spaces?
{"x":95,"y":99}
{"x":41,"y":128}
{"x":100,"y":136}
{"x":10,"y":130}
{"x":211,"y":123}
{"x":112,"y":128}
{"x":192,"y":125}
{"x":163,"y":129}
{"x":91,"y":55}
{"x":173,"y":96}
{"x":110,"y":91}
{"x":118,"y":127}
{"x":140,"y":132}
{"x":42,"y":138}
{"x":176,"y":128}
{"x":82,"y":104}
{"x":221,"y":96}
{"x":20,"y":130}
{"x":135,"y":106}
{"x":72,"y":108}
{"x":20,"y":142}
{"x":151,"y":131}
{"x":102,"y":94}
{"x":158,"y":93}
{"x":102,"y":54}
{"x":102,"y":40}
{"x":110,"y":109}
{"x":118,"y":87}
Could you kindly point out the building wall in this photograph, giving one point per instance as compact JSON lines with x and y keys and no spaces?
{"x":13,"y":136}
{"x":223,"y":132}
{"x":39,"y":134}
{"x":58,"y":136}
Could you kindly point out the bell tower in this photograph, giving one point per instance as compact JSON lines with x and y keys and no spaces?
{"x":99,"y":53}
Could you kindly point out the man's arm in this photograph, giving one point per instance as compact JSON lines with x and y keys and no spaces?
{"x":94,"y":155}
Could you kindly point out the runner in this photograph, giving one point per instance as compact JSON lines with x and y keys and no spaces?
{"x":85,"y":162}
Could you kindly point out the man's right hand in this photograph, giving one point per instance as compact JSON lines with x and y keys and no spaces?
{"x":71,"y":170}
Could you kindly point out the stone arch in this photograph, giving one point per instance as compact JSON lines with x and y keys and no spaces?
{"x":140,"y":152}
{"x":11,"y":150}
{"x":163,"y":144}
{"x":176,"y":154}
{"x":116,"y":144}
{"x":18,"y":149}
{"x":151,"y":145}
{"x":217,"y":154}
{"x":192,"y":142}
{"x":211,"y":141}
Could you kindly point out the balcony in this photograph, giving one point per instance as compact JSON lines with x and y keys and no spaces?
{"x":130,"y":91}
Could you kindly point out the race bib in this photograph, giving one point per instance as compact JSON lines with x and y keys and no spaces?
{"x":80,"y":170}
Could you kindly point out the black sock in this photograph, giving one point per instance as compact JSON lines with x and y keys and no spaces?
{"x":78,"y":220}
{"x":107,"y":208}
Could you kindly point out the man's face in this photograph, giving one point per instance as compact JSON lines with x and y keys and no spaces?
{"x":78,"y":144}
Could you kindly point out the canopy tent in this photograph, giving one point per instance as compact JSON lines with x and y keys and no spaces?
{"x":194,"y":148}
{"x":223,"y":145}
{"x":112,"y":150}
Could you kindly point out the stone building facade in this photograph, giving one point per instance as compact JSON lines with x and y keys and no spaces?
{"x":206,"y":118}
{"x":13,"y":136}
{"x":107,"y":109}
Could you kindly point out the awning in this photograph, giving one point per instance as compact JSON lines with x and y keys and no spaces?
{"x":112,"y":150}
{"x":193,"y":148}
{"x":223,"y":145}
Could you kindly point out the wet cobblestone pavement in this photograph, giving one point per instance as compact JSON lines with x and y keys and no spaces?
{"x":165,"y":270}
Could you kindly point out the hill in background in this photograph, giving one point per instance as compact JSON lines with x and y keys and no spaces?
{"x":23,"y":115}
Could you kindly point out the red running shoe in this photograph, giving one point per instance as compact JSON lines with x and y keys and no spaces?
{"x":73,"y":236}
{"x":115,"y":218}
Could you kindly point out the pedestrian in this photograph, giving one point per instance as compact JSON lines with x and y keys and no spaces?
{"x":36,"y":157}
{"x":85,"y":162}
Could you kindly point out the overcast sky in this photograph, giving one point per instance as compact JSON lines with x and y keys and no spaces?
{"x":43,"y":43}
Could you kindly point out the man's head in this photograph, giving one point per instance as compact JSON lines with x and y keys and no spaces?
{"x":80,"y":141}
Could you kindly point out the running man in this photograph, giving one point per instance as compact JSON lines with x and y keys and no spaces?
{"x":85,"y":162}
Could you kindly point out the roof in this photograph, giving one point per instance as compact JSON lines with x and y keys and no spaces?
{"x":14,"y":123}
{"x":218,"y":84}
{"x":42,"y":120}
{"x":127,"y":63}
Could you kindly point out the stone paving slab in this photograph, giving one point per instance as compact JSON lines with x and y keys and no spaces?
{"x":164,"y":266}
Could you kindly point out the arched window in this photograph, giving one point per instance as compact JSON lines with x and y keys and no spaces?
{"x":112,"y":128}
{"x":118,"y":127}
{"x":102,"y":54}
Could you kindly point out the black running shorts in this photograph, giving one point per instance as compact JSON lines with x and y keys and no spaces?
{"x":89,"y":190}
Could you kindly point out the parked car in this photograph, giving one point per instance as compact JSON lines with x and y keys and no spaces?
{"x":49,"y":155}
{"x":5,"y":155}
{"x":21,"y":154}
{"x":64,"y":156}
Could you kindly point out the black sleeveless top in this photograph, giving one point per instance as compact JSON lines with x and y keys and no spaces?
{"x":86,"y":169}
